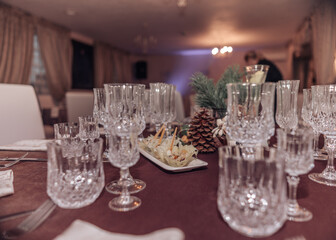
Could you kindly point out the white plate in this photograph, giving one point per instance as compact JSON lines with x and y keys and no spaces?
{"x":196,"y":163}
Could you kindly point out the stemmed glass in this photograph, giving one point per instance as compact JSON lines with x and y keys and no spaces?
{"x":324,"y":120}
{"x":173,"y":113}
{"x":161,"y":103}
{"x":100,"y":113}
{"x":286,"y":110}
{"x":297,"y":146}
{"x":67,"y":135}
{"x":126,"y":112}
{"x":250,"y":114}
{"x":256,"y":73}
{"x":123,"y":154}
{"x":88,"y":128}
{"x":306,"y":116}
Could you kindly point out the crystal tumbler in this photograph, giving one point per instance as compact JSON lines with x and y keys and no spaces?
{"x":76,"y":180}
{"x":252,"y":193}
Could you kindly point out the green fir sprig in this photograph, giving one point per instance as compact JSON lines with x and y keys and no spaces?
{"x":209,"y":95}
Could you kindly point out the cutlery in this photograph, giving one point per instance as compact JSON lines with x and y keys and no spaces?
{"x":15,"y":215}
{"x":6,"y":165}
{"x":31,"y":222}
{"x":25,"y":159}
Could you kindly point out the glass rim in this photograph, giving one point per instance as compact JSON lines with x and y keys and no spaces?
{"x":257,"y":66}
{"x":250,"y":84}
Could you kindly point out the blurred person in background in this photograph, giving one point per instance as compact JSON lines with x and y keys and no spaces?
{"x":273,"y":75}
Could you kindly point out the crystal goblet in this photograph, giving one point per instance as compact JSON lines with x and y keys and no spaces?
{"x":286,"y":107}
{"x":324,"y":120}
{"x":88,"y":128}
{"x":126,"y":111}
{"x":306,"y":116}
{"x":297,"y":147}
{"x":101,"y":114}
{"x":124,"y":153}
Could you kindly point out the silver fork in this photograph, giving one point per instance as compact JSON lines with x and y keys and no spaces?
{"x":31,"y":222}
{"x":6,"y":165}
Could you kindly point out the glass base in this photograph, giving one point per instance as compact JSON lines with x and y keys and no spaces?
{"x":326,"y":179}
{"x":106,"y":154}
{"x":135,"y":186}
{"x":299,"y":215}
{"x":121,"y":204}
{"x":320,"y":156}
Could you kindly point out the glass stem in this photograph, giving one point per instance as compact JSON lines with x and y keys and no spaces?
{"x":107,"y":141}
{"x":329,"y":172}
{"x":293,"y":205}
{"x":125,"y":177}
{"x":125,"y":195}
{"x":316,"y":141}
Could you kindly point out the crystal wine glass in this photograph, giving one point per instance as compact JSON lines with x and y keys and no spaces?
{"x":123,"y":154}
{"x":100,"y":113}
{"x":88,"y":128}
{"x":250,"y":111}
{"x":324,"y":120}
{"x":256,"y":73}
{"x":306,"y":116}
{"x":297,"y":146}
{"x":126,"y":112}
{"x":161,"y":95}
{"x":286,"y":110}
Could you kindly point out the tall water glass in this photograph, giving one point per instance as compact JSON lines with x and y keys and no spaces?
{"x":124,"y":153}
{"x":126,"y":112}
{"x":75,"y":181}
{"x":161,"y":103}
{"x":297,"y":147}
{"x":250,"y":113}
{"x":307,"y":108}
{"x":101,"y":114}
{"x":324,"y":120}
{"x":256,"y":73}
{"x":88,"y":128}
{"x":286,"y":107}
{"x":252,"y":193}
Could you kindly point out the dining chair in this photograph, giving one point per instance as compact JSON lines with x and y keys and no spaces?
{"x":78,"y":103}
{"x":20,"y":115}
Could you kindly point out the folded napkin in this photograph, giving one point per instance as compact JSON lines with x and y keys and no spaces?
{"x":87,"y":231}
{"x":27,"y":145}
{"x":6,"y":183}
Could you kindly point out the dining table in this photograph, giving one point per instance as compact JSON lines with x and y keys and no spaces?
{"x":184,"y":200}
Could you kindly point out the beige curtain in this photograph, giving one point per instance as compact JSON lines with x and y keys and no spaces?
{"x":324,"y":41}
{"x":56,"y":51}
{"x":103,"y":64}
{"x":111,"y":65}
{"x":16,"y":45}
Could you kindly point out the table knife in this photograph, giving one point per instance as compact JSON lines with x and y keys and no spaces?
{"x":15,"y":215}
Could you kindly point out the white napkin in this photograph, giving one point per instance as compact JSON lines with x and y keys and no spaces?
{"x":6,"y":183}
{"x":86,"y":231}
{"x":27,"y":145}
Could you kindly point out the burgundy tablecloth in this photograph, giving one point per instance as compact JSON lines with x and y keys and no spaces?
{"x":183,"y":200}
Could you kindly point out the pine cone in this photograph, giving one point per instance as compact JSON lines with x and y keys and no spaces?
{"x":200,"y":131}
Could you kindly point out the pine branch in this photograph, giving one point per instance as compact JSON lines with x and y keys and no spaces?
{"x":205,"y":89}
{"x":210,"y":96}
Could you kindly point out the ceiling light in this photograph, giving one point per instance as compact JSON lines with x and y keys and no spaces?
{"x":214,"y":51}
{"x":224,"y":51}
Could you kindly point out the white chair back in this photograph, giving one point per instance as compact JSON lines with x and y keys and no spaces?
{"x":78,"y":104}
{"x":20,"y":115}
